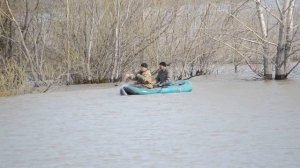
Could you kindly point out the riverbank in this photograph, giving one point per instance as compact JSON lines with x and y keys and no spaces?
{"x":225,"y":72}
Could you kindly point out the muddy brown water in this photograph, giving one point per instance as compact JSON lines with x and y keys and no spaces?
{"x":222,"y":123}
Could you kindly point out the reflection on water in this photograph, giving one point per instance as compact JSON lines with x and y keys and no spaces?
{"x":222,"y":123}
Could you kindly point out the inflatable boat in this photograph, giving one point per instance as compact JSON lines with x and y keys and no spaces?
{"x":175,"y":87}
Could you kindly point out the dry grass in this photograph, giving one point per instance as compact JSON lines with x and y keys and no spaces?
{"x":12,"y":78}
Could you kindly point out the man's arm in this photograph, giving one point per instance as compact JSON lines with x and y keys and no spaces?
{"x":154,"y":72}
{"x":146,"y":77}
{"x":141,"y":77}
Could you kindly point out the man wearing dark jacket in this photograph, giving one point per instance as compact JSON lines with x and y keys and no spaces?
{"x":163,"y":75}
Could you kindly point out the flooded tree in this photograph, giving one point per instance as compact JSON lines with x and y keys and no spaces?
{"x":285,"y":38}
{"x":271,"y":36}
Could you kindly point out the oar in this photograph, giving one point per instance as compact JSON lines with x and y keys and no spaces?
{"x":123,"y":92}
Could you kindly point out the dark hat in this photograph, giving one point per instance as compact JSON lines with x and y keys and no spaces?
{"x":163,"y":64}
{"x":144,"y":65}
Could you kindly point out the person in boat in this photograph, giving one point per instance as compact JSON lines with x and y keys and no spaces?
{"x":143,"y":77}
{"x":163,"y":75}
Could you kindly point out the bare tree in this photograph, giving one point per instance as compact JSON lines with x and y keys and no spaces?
{"x":285,"y":38}
{"x":264,"y":33}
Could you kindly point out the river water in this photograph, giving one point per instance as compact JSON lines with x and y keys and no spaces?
{"x":222,"y":123}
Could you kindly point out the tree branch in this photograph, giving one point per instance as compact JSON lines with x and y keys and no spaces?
{"x":237,"y":51}
{"x":279,"y":9}
{"x":293,"y":68}
{"x":250,"y":29}
{"x":266,"y":9}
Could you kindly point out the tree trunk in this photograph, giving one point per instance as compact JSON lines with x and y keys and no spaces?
{"x":68,"y":44}
{"x":89,"y":43}
{"x":280,"y":73}
{"x":9,"y":49}
{"x":283,"y":40}
{"x":235,"y":68}
{"x":117,"y":43}
{"x":289,"y":35}
{"x":26,"y":51}
{"x":267,"y":63}
{"x":266,"y":56}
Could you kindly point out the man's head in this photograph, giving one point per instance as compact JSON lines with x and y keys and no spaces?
{"x":162,"y":65}
{"x":144,"y":67}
